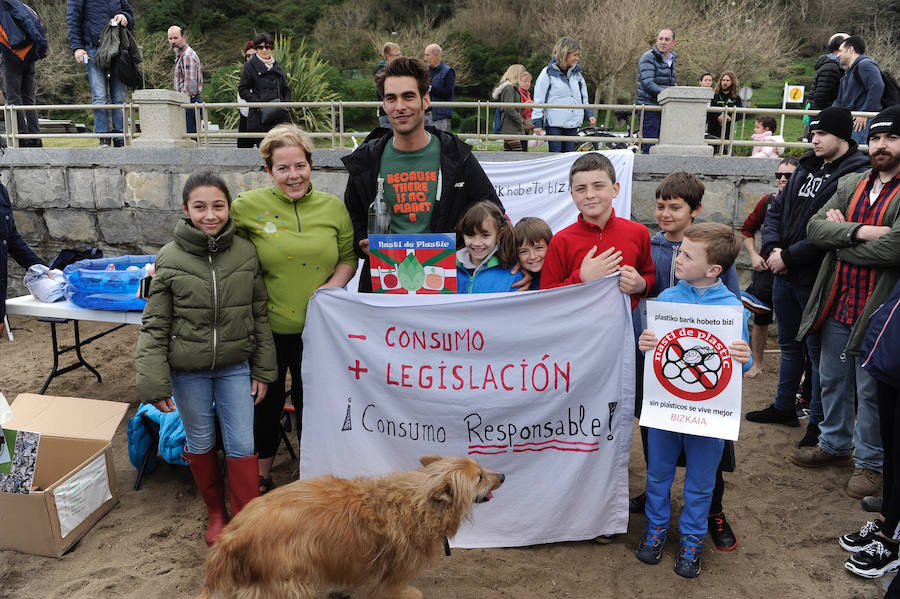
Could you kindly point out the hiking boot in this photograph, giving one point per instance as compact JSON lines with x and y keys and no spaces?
{"x":871,"y":503}
{"x":874,"y":560}
{"x":773,"y":415}
{"x":855,"y":541}
{"x":637,"y":503}
{"x":816,"y":457}
{"x":687,"y":564}
{"x":811,"y":438}
{"x":863,"y":482}
{"x":650,"y":549}
{"x":721,"y":533}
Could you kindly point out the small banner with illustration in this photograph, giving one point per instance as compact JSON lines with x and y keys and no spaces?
{"x":691,"y":384}
{"x":538,"y":386}
{"x":422,"y":264}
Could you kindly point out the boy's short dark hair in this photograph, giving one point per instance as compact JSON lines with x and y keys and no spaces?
{"x":531,"y":230}
{"x":593,"y":162}
{"x":721,"y":241}
{"x":405,"y":66}
{"x":681,"y":185}
{"x":767,"y":122}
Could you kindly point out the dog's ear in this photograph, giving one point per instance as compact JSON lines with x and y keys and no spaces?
{"x":443,"y":493}
{"x":428,"y":459}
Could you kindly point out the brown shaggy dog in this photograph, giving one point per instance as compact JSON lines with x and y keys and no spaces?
{"x":373,"y":535}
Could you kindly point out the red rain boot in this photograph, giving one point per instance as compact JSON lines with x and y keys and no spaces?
{"x":243,"y":481}
{"x":205,"y":468}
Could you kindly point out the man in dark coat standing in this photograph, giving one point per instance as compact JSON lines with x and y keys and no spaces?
{"x":86,"y":20}
{"x":825,"y":86}
{"x":23,"y":42}
{"x":656,"y":71}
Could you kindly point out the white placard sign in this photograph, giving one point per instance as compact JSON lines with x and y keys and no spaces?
{"x":536,"y":385}
{"x":540,"y":187}
{"x":691,"y":384}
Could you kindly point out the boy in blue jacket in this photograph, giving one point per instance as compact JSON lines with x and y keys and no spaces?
{"x":708,"y":249}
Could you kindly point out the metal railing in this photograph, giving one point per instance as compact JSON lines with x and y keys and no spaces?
{"x":341,"y":138}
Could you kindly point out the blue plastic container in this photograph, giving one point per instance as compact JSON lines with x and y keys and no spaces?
{"x":90,"y":285}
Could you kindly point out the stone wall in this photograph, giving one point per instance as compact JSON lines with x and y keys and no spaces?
{"x":127,"y":200}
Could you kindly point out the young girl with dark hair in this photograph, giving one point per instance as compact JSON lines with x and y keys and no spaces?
{"x":205,"y":340}
{"x":487,"y":251}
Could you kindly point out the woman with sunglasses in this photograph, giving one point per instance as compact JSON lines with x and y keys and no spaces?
{"x":758,"y":297}
{"x":263,"y":80}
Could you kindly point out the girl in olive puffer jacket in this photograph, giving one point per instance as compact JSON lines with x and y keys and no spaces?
{"x":205,"y":338}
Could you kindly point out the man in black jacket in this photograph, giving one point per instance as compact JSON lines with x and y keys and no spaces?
{"x":11,"y":244}
{"x":430,"y":176}
{"x":795,"y":261}
{"x":23,"y":44}
{"x":828,"y":75}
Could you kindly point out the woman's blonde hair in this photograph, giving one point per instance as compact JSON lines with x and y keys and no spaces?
{"x":565,"y":46}
{"x":513,"y":74}
{"x":284,"y":135}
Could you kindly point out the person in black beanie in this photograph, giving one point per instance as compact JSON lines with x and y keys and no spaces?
{"x":874,"y":547}
{"x":794,"y":261}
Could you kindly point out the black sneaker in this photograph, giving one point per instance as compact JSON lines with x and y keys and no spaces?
{"x":650,"y":549}
{"x":687,"y":564}
{"x":856,"y":541}
{"x":637,"y":503}
{"x":811,"y":438}
{"x":773,"y":415}
{"x":874,"y":560}
{"x":721,"y":533}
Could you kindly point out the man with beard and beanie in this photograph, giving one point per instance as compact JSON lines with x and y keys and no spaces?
{"x":188,"y":73}
{"x":859,"y":227}
{"x":429,"y":175}
{"x":795,"y":260}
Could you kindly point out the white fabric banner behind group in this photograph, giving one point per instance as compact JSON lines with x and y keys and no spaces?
{"x":539,"y":386}
{"x":540,"y":187}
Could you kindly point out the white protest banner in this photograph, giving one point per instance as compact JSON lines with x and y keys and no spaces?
{"x":691,"y":384}
{"x":540,"y":187}
{"x":536,"y":385}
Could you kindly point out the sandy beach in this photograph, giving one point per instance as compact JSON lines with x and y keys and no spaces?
{"x":787,"y":519}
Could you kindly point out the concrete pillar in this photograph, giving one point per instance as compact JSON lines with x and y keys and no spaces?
{"x":162,"y":119}
{"x":683,"y":123}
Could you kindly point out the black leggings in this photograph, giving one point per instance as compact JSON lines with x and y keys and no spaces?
{"x":889,"y":417}
{"x":267,"y":417}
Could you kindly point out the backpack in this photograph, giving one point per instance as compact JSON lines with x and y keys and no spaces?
{"x":880,"y":350}
{"x":891,"y":94}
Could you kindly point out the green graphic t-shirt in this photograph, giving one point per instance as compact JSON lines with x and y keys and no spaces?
{"x":410,"y":185}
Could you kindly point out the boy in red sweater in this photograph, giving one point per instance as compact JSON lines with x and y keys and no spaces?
{"x":599,"y":243}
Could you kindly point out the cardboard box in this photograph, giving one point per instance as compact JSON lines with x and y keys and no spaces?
{"x":74,"y":479}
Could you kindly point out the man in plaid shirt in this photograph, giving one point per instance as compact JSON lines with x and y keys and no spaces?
{"x":860,"y":228}
{"x":188,"y":72}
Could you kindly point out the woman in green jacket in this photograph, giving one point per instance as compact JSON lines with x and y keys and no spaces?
{"x":511,"y":118}
{"x":205,"y":338}
{"x":304,"y":239}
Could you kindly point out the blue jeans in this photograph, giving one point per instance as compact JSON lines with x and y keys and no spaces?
{"x":105,"y":89}
{"x":788,"y":302}
{"x":650,"y":129}
{"x":225,"y":392}
{"x":862,"y":137}
{"x":561,"y":146}
{"x":703,"y":455}
{"x":842,"y":380}
{"x":190,"y":119}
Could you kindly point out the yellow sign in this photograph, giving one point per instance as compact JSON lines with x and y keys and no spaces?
{"x":795,"y":93}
